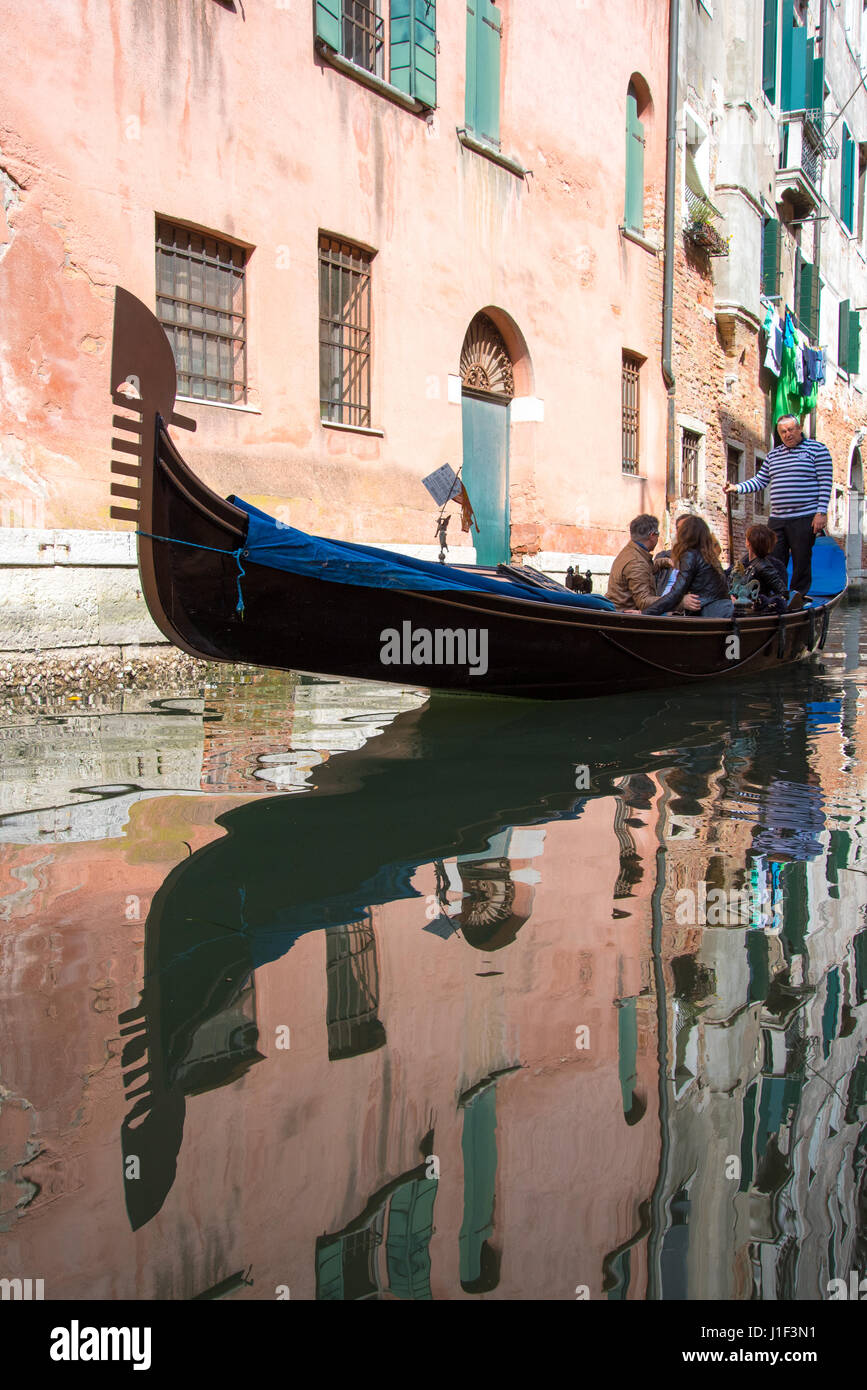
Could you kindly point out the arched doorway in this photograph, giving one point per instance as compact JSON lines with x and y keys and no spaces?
{"x":854,"y":533}
{"x":487,"y":387}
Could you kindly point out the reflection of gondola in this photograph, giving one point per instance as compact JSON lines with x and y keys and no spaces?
{"x":442,"y":780}
{"x":225,"y":582}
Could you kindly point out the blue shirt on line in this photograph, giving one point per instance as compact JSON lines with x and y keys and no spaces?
{"x":800,"y":479}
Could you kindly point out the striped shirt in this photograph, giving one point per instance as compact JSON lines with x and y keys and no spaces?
{"x":800,"y":479}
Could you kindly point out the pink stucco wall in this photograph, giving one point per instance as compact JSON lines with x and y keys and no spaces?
{"x":229,"y":121}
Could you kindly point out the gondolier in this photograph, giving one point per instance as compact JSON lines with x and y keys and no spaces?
{"x":800,"y":473}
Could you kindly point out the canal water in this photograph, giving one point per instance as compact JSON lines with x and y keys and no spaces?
{"x":321,"y":990}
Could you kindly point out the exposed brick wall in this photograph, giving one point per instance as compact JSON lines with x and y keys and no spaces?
{"x":721,"y":380}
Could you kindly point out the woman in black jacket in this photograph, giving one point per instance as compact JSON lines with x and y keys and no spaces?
{"x":696,"y":557}
{"x":766,"y":570}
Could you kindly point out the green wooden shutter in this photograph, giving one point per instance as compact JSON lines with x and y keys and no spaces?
{"x":831,"y":1011}
{"x":634,"y":217}
{"x":413,"y":61}
{"x":788,"y":30}
{"x":479,"y":1148}
{"x":847,"y":190}
{"x":805,"y":294}
{"x":859,"y":948}
{"x":815,"y":306}
{"x":854,"y":342}
{"x":772,"y":236}
{"x":470,"y":94}
{"x":484,"y":34}
{"x":797,"y":90}
{"x":817,"y":98}
{"x":843,"y":341}
{"x":809,"y":299}
{"x":747,"y":1137}
{"x":328,"y":22}
{"x":407,"y":1248}
{"x":769,"y":49}
{"x":627,"y":1057}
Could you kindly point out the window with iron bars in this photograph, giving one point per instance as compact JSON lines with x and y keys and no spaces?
{"x":344,"y":332}
{"x":689,"y":450}
{"x":630,"y":399}
{"x":201,"y":303}
{"x":734,"y":465}
{"x":363,"y":29}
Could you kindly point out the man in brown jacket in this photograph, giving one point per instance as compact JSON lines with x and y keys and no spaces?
{"x":632,"y":584}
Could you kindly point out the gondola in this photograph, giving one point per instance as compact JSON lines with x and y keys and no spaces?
{"x":225,"y":582}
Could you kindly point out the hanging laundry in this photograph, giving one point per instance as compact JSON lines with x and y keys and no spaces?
{"x":814,"y":367}
{"x":788,"y":399}
{"x":799,"y":363}
{"x":773,"y":328}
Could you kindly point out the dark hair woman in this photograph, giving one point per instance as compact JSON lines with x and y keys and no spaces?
{"x":696,"y":556}
{"x":769,"y":572}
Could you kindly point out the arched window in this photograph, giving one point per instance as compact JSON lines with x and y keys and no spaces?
{"x":634,"y":164}
{"x":637,"y":102}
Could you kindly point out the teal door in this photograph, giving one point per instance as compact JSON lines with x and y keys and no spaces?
{"x":486,"y":475}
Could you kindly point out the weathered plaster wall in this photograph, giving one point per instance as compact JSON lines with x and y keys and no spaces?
{"x":228,"y":120}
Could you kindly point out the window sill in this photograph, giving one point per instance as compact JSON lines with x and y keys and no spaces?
{"x":629,"y":235}
{"x":472,"y":142}
{"x":351,"y":429}
{"x":369,"y":79}
{"x":221,"y":405}
{"x":632,"y":477}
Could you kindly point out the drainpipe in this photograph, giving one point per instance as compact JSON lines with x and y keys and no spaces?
{"x":668,"y":275}
{"x":817,"y":235}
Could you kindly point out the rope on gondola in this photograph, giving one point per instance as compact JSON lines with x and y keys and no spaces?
{"x":236,"y":556}
{"x":685,"y":675}
{"x":781,"y":637}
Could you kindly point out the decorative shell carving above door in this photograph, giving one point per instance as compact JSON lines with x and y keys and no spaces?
{"x":485,"y":361}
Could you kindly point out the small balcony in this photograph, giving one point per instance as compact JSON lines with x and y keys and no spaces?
{"x":799,"y":177}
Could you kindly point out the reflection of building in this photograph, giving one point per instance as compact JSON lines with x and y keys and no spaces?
{"x":766,"y":1025}
{"x":771,"y":126}
{"x":453,"y":1090}
{"x":386,"y":1248}
{"x":273,"y":729}
{"x":396,"y":1033}
{"x":353,"y":990}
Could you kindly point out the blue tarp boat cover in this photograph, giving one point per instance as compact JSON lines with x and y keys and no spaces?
{"x":270,"y":542}
{"x":828,"y":568}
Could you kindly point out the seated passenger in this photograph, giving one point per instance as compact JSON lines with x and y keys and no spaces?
{"x":769,"y":572}
{"x":696,"y":556}
{"x":664,"y":572}
{"x":631,"y":584}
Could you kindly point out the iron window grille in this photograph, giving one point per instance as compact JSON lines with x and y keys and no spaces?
{"x":690,"y":446}
{"x":364,"y":36}
{"x":344,"y":332}
{"x":811,"y":155}
{"x":352,"y":973}
{"x":202,"y":305}
{"x":734,"y":459}
{"x":630,"y":411}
